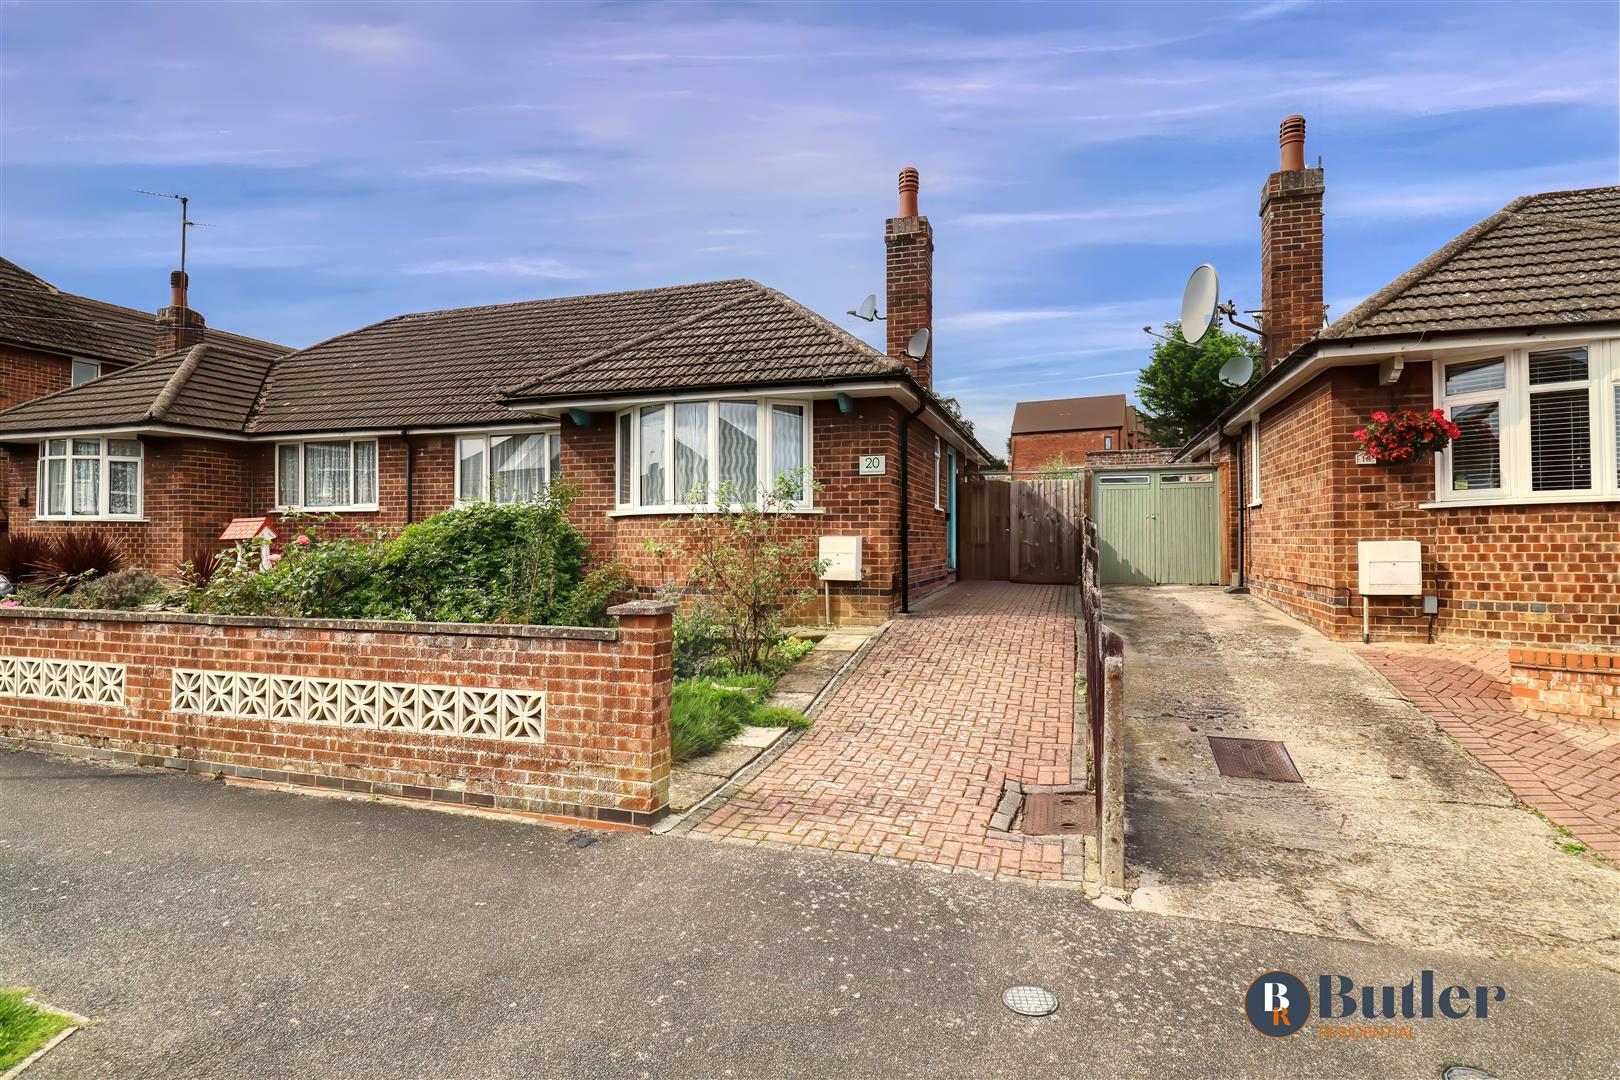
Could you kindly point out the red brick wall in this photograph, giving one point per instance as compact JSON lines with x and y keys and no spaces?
{"x":1583,"y":686}
{"x":24,"y":376}
{"x":910,"y":245}
{"x":603,"y":755}
{"x":1533,"y":574}
{"x":851,"y":504}
{"x":1037,"y":450}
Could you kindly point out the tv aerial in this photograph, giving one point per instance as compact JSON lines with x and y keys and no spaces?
{"x":185,"y":219}
{"x":868,"y":309}
{"x":917,"y":347}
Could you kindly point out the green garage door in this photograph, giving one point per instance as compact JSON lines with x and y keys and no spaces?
{"x":1158,"y":526}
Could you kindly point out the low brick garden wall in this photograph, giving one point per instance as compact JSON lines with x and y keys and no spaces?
{"x":567,"y":722}
{"x":1583,"y":686}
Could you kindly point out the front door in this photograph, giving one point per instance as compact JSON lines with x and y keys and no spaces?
{"x":950,"y":509}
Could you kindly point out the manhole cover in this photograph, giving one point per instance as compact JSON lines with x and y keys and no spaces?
{"x":1059,"y":813}
{"x":1466,"y":1072}
{"x":1029,"y":1000}
{"x":1254,"y":759}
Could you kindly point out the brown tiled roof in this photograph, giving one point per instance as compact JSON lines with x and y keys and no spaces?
{"x":1541,"y":260}
{"x":1069,"y":414}
{"x":35,"y":313}
{"x":444,"y":368}
{"x":211,"y":386}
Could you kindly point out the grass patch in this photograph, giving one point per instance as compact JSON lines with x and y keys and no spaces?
{"x":780,"y":716}
{"x":25,"y":1027}
{"x":703,"y":716}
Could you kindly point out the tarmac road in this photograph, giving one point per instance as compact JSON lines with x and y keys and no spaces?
{"x":214,"y":930}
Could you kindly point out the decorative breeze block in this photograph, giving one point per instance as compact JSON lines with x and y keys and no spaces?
{"x":78,"y":681}
{"x":475,"y":711}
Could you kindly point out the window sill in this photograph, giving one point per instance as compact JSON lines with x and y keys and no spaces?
{"x":687,"y":511}
{"x":54,"y":518}
{"x":325,"y":509}
{"x":1521,"y":500}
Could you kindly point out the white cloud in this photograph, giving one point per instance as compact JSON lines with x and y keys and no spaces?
{"x":509,"y":171}
{"x":991,"y":320}
{"x":509,"y":267}
{"x":369,"y":42}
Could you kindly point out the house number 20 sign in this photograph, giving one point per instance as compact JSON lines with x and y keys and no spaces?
{"x":873,"y":465}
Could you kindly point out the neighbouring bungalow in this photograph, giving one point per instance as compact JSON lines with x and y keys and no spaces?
{"x":1513,"y":331}
{"x":1064,"y":431}
{"x":636,"y":398}
{"x":51,"y":340}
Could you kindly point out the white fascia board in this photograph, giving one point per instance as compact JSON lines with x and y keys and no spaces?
{"x":542,"y":427}
{"x":816,"y":392}
{"x":1330,"y":354}
{"x":168,"y":430}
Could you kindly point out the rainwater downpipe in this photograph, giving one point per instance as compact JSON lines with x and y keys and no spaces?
{"x":905,"y":504}
{"x":410,"y":486}
{"x":1242,"y":585}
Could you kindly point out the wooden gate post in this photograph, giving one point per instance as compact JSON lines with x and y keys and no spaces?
{"x":1111,"y":773}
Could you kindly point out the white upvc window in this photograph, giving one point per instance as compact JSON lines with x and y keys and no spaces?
{"x":676,"y":456}
{"x":1254,"y":462}
{"x":1537,"y":425}
{"x":89,"y":477}
{"x":1108,"y":442}
{"x":505,"y":466}
{"x":84,"y":371}
{"x":939,"y":468}
{"x":326,"y":475}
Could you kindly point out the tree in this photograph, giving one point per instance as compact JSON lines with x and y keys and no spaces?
{"x":1180,"y":389}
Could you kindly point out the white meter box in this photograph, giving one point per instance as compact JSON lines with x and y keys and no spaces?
{"x":1391,"y":567}
{"x":841,"y":556}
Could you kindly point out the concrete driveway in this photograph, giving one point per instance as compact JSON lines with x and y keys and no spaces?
{"x":227,"y":932}
{"x":1397,"y":834}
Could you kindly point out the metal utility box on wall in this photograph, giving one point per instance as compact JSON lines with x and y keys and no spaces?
{"x":842,"y":558}
{"x":1390,"y":567}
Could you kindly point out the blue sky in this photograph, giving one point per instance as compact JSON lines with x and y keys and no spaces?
{"x":1078,"y":160}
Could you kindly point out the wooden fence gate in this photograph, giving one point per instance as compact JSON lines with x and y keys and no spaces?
{"x":1024,"y":530}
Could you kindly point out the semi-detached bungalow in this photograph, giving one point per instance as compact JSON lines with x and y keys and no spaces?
{"x":637,"y":398}
{"x":1513,"y":329}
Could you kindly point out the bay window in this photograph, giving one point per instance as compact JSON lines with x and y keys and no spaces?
{"x":1536,"y":425}
{"x":336,"y":474}
{"x":680,"y":455}
{"x":505,"y":467}
{"x":90,"y":477}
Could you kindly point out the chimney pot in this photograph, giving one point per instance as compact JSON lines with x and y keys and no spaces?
{"x":908,"y":192}
{"x":1291,"y":137}
{"x":177,"y":288}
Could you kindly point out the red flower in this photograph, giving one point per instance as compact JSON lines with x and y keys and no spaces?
{"x":302,"y":541}
{"x":1380,"y":417}
{"x":1361,"y":433}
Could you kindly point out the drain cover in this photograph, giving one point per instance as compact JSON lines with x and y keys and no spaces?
{"x":1254,"y":759}
{"x":1466,"y":1072}
{"x":1029,"y":1000}
{"x":1059,"y":813}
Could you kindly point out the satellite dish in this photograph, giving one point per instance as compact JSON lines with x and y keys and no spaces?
{"x":868,"y":308}
{"x":1198,"y":304}
{"x":917,"y":347}
{"x":1237,"y":371}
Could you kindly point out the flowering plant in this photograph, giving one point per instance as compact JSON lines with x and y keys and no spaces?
{"x":1403,"y":436}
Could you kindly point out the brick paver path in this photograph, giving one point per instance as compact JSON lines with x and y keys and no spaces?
{"x":1568,"y":771}
{"x":907,"y":759}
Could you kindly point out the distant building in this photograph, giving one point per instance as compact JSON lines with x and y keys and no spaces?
{"x":1064,"y":431}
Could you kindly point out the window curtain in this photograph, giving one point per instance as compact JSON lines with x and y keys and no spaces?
{"x":652,"y":456}
{"x":471,"y":486}
{"x":626,"y":465}
{"x":87,"y":476}
{"x":553,"y":458}
{"x":516,"y":467}
{"x":739,"y":449}
{"x":787,"y":448}
{"x":287,"y":482}
{"x":326,"y":474}
{"x":692,"y":452}
{"x":365,"y":473}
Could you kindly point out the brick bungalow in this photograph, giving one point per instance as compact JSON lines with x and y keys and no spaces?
{"x":52,"y":340}
{"x":637,"y":398}
{"x":1068,"y":429}
{"x":1513,"y":329}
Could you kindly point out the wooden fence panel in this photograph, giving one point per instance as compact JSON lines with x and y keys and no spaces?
{"x":983,"y":525}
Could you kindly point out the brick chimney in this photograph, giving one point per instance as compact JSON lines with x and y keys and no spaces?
{"x":178,"y":327}
{"x":910,"y":241}
{"x":1291,"y":248}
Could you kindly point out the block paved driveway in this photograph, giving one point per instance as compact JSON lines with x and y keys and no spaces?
{"x":907,"y":760}
{"x":1568,"y":771}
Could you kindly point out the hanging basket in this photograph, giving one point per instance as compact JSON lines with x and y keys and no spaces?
{"x":1402,"y":437}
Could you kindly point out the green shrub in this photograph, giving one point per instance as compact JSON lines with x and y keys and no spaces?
{"x":20,"y":556}
{"x":703,"y":716}
{"x":780,"y":716}
{"x":518,"y":563}
{"x":123,"y":590}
